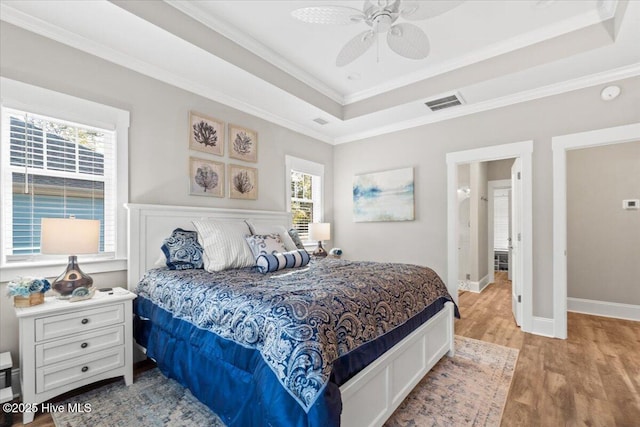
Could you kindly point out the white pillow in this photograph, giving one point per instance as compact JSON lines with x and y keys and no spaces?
{"x":265,"y":244}
{"x":224,"y":244}
{"x":274,"y":229}
{"x":161,"y":261}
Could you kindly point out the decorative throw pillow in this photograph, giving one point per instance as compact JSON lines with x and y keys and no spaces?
{"x":265,"y":244}
{"x":280,"y":230}
{"x":296,"y":238}
{"x":267,"y":263}
{"x":224,"y":244}
{"x":182,"y":250}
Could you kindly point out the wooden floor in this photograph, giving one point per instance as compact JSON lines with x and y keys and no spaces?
{"x":590,"y":379}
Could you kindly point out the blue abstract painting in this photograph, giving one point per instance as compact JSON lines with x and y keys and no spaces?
{"x":383,"y":196}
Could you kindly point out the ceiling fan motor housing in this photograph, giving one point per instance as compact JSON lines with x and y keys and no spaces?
{"x":382,"y":17}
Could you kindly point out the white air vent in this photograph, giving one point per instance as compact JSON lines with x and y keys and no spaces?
{"x":320,"y":121}
{"x":445,"y":102}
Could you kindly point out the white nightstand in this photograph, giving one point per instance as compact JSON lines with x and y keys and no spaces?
{"x":65,"y":345}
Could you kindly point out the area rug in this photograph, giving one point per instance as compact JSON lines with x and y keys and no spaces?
{"x":469,"y":389}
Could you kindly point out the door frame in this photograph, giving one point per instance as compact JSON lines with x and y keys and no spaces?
{"x":560,"y":145}
{"x":492,"y":185}
{"x":523,"y":150}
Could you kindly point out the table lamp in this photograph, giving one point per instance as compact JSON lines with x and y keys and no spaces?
{"x":320,"y":231}
{"x":70,"y":236}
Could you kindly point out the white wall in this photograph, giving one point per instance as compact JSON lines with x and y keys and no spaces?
{"x":424,"y":241}
{"x":464,"y":224}
{"x":158,"y":149}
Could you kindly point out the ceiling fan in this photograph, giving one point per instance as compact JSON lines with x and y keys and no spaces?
{"x":405,"y":39}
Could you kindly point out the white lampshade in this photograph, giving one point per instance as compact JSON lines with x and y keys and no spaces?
{"x":319,"y":231}
{"x":69,"y":236}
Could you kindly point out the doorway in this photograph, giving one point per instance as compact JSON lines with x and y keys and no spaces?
{"x":560,"y":146}
{"x":520,"y":150}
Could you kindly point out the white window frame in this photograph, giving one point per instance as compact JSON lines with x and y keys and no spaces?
{"x":37,"y":100}
{"x":312,"y":168}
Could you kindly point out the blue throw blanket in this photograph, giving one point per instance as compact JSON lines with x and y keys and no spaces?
{"x":301,"y":320}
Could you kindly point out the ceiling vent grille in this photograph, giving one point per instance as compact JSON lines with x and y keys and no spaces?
{"x":445,"y":102}
{"x":320,"y":121}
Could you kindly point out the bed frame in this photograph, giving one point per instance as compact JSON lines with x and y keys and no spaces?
{"x":369,"y":398}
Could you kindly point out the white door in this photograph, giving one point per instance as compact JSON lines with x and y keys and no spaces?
{"x":509,"y":261}
{"x":516,"y":240}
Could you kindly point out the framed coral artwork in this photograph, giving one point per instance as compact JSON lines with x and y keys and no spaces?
{"x":206,"y":134}
{"x":243,"y":182}
{"x":206,"y":177}
{"x":243,"y":143}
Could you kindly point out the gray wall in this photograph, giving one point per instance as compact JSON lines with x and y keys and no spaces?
{"x":499,"y":169}
{"x":603,"y":240}
{"x":424,"y":241}
{"x":158,"y":149}
{"x":478,"y":219}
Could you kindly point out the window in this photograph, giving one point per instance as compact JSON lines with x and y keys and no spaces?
{"x":59,"y":157}
{"x":304,"y":193}
{"x":57,"y":169}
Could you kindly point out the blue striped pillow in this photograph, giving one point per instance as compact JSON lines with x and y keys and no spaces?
{"x":267,"y":263}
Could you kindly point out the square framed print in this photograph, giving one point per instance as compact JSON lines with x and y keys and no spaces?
{"x":243,"y":143}
{"x":243,"y":182}
{"x":206,"y":177}
{"x":206,"y":134}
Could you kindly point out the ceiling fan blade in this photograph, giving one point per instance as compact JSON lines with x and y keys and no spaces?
{"x":409,"y":41}
{"x":413,"y":10}
{"x":328,"y":15}
{"x":355,"y":48}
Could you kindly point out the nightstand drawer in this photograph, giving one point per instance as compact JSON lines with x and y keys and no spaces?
{"x":54,"y":376}
{"x":78,"y":322}
{"x":73,"y":347}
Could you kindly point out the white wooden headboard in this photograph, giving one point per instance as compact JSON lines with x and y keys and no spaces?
{"x":149,"y":225}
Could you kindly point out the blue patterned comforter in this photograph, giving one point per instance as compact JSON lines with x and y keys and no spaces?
{"x":300,"y":320}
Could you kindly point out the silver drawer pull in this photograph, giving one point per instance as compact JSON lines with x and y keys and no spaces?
{"x":84,"y":345}
{"x":85,"y":321}
{"x":85,"y":368}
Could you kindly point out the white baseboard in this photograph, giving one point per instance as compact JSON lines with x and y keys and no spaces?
{"x":477,"y":287}
{"x":604,"y":308}
{"x":543,"y":326}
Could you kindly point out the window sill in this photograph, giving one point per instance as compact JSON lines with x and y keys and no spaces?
{"x":53,"y":269}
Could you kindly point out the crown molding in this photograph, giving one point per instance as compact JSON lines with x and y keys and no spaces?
{"x":46,"y":29}
{"x":632,"y":70}
{"x":74,"y":40}
{"x":604,"y":12}
{"x":195,"y":11}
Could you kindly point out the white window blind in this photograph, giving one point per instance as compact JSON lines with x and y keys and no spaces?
{"x":54,"y":168}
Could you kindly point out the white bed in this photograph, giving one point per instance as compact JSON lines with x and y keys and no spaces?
{"x":372,"y":395}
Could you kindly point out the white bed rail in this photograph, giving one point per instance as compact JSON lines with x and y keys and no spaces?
{"x":369,"y":398}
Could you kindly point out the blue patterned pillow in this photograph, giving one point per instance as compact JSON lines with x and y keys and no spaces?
{"x":265,"y":244}
{"x":182,"y":250}
{"x":267,"y":263}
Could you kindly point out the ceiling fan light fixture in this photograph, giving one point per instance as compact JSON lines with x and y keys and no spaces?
{"x":405,"y":39}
